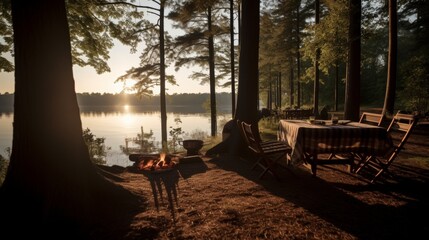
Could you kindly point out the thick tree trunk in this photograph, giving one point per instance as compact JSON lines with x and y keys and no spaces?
{"x":316,"y":69}
{"x":248,"y":87}
{"x":291,"y":85}
{"x":298,"y":56}
{"x":352,"y":95}
{"x":279,"y":90}
{"x":247,"y":100}
{"x":389,"y":100}
{"x":51,"y":184}
{"x":232,"y":54}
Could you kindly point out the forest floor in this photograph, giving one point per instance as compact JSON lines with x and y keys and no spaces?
{"x":222,"y":198}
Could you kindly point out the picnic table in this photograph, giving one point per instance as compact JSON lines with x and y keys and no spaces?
{"x":309,"y":140}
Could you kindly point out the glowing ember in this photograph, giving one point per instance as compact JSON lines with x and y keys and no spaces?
{"x":163,"y":163}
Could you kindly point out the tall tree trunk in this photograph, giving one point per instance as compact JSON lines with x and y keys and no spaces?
{"x":279,"y":90}
{"x":337,"y":81}
{"x":162,"y":77}
{"x":276,"y":91}
{"x":270,"y":96}
{"x":352,"y":95}
{"x":212,"y":76}
{"x":291,"y":85}
{"x":248,"y":80}
{"x":316,"y":68}
{"x":389,"y":100}
{"x":51,"y":183}
{"x":232,"y":54}
{"x":247,"y":99}
{"x":298,"y":56}
{"x":239,"y":26}
{"x":248,"y":67}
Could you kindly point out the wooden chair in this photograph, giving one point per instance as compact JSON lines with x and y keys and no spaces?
{"x":375,"y":119}
{"x":265,"y":144}
{"x":371,"y":118}
{"x":402,"y":125}
{"x":267,"y":154}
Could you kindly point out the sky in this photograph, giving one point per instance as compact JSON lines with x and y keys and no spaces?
{"x":87,"y":79}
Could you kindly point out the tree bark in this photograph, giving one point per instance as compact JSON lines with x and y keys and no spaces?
{"x":232,"y":54}
{"x":247,"y":100}
{"x":316,"y":68}
{"x":248,"y":87}
{"x":352,"y":95}
{"x":212,"y":76}
{"x":337,"y":81}
{"x":291,"y":85}
{"x":162,"y":77}
{"x":51,"y":184}
{"x":298,"y":56}
{"x":389,"y":100}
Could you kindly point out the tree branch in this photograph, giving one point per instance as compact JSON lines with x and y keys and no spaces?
{"x":127,"y":3}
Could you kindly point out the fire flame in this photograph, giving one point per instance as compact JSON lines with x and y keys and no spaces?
{"x":162,"y":157}
{"x":162,"y":163}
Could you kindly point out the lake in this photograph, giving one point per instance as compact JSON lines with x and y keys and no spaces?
{"x":115,"y":124}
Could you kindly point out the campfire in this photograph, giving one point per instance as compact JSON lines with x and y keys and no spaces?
{"x":163,"y":162}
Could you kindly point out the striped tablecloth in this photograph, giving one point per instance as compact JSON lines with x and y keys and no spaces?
{"x":355,"y":137}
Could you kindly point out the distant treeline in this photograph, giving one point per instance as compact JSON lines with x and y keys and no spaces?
{"x":120,"y":99}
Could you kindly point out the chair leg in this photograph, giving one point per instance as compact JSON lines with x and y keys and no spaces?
{"x":263,"y":173}
{"x":383,"y":170}
{"x":258,"y":162}
{"x":268,"y":166}
{"x":363,"y":163}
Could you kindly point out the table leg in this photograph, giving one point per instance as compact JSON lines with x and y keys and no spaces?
{"x":314,"y":164}
{"x":352,"y":166}
{"x":311,"y":162}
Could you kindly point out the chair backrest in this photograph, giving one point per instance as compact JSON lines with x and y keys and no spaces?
{"x":253,"y":141}
{"x":371,"y":118}
{"x":241,"y":131}
{"x":404,"y":124}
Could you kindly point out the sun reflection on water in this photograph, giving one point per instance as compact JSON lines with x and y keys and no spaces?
{"x":127,"y":118}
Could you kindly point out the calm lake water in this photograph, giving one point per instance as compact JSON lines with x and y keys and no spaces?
{"x":115,"y":124}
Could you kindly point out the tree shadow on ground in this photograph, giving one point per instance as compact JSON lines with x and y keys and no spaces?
{"x":339,"y":203}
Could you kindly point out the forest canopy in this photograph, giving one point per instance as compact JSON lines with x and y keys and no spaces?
{"x":288,"y":40}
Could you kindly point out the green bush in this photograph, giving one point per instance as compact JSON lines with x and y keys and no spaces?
{"x":415,"y":93}
{"x":96,"y":147}
{"x":176,"y":134}
{"x":4,"y":163}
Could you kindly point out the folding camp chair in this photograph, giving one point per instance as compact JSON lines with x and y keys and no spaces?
{"x":267,"y":154}
{"x":375,"y":119}
{"x":267,"y":144}
{"x":402,"y":125}
{"x":371,"y":118}
{"x":367,"y":118}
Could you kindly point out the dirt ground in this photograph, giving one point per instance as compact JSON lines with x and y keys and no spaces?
{"x":222,"y":198}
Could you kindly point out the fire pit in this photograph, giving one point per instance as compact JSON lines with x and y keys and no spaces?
{"x":154,"y":162}
{"x":192,"y":146}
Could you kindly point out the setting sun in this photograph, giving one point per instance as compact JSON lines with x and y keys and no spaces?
{"x":126,"y":107}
